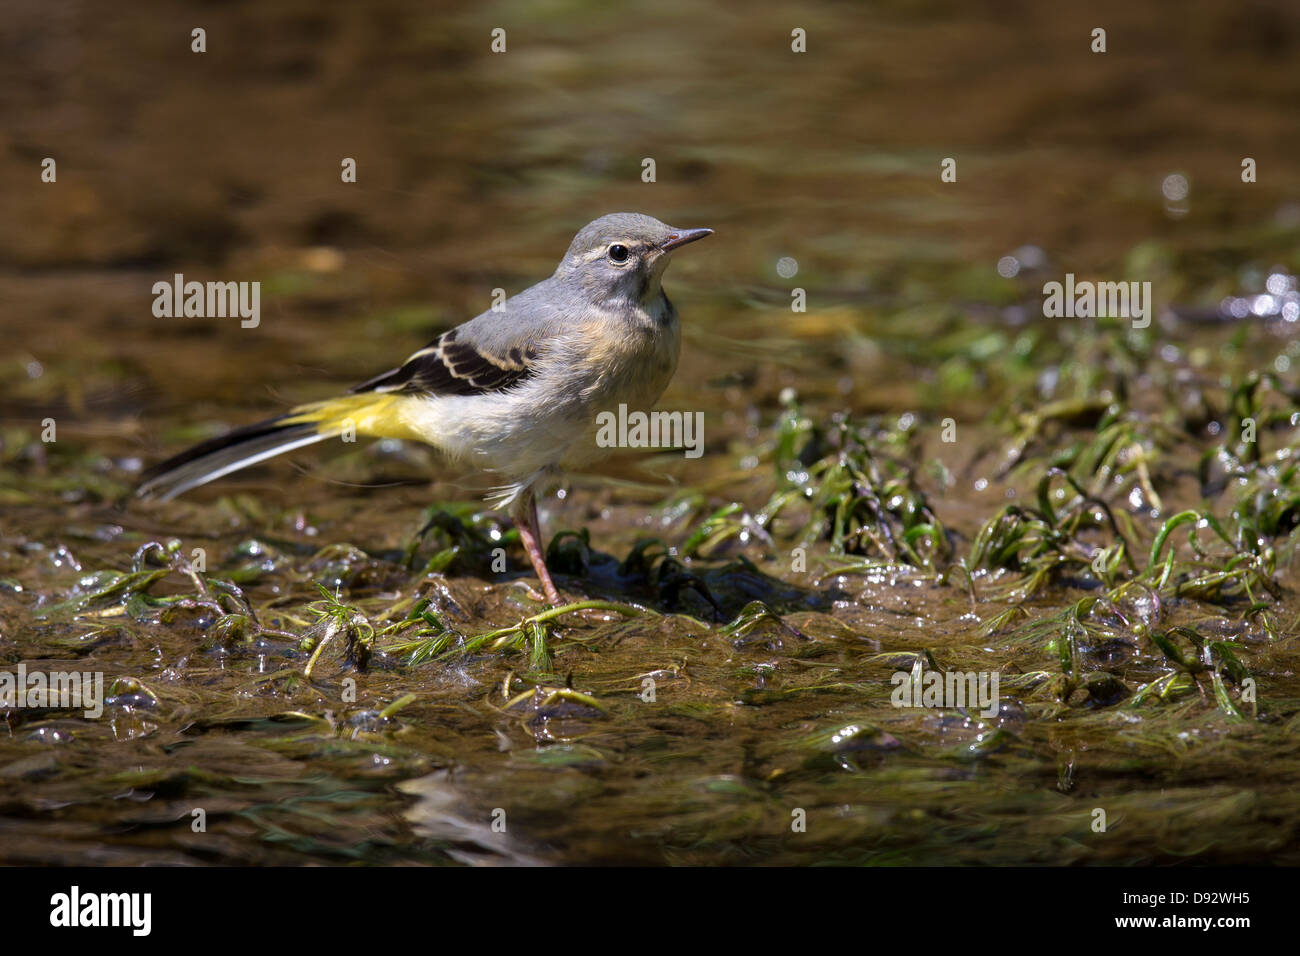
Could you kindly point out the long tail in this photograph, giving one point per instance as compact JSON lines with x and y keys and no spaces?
{"x":366,"y":414}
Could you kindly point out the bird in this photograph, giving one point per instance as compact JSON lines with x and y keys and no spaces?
{"x":515,"y":391}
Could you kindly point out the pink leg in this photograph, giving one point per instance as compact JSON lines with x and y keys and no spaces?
{"x":525,"y":519}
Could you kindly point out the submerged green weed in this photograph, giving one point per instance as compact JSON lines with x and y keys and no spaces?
{"x":855,"y":487}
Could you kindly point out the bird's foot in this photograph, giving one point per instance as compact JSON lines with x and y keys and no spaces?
{"x":531,"y":537}
{"x":552,"y":595}
{"x":553,"y":599}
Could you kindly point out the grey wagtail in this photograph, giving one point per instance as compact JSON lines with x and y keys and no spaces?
{"x":515,"y":390}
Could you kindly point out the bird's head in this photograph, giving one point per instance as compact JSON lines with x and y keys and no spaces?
{"x":621,"y":257}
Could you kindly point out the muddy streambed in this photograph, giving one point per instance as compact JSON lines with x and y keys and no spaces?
{"x":921,"y":474}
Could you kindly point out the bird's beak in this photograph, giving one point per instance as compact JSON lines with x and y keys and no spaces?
{"x":682,"y":236}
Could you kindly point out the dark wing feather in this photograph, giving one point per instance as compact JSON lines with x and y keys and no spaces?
{"x":451,"y":367}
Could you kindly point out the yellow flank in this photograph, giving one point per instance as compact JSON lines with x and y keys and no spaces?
{"x":375,"y":415}
{"x":602,"y":349}
{"x":605,"y":361}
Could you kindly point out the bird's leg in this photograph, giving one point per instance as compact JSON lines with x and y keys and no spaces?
{"x":524,"y":515}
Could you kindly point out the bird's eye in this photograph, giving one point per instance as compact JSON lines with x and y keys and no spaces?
{"x":618,"y":253}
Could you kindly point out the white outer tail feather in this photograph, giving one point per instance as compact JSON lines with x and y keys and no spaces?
{"x":218,"y":464}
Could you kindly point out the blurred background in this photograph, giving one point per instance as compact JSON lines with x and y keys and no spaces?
{"x":474,"y":170}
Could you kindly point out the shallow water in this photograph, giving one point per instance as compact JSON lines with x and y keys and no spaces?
{"x":768,"y":738}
